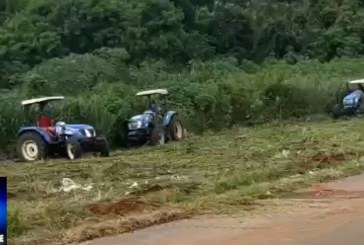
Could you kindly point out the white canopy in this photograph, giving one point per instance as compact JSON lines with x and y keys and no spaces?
{"x":154,"y":91}
{"x":357,"y":81}
{"x":39,"y":100}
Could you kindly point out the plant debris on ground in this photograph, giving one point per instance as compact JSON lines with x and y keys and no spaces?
{"x":215,"y":173}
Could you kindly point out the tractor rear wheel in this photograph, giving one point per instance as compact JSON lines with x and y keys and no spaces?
{"x":176,"y":129}
{"x":31,"y":147}
{"x":73,"y":148}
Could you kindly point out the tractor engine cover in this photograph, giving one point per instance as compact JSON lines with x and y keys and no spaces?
{"x":353,"y":100}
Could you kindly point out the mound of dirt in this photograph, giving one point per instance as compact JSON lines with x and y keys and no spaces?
{"x":320,"y":160}
{"x":123,"y":207}
{"x":328,"y":159}
{"x":322,"y":191}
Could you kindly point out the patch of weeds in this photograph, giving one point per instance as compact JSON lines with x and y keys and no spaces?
{"x":256,"y":191}
{"x":16,"y":225}
{"x":252,"y":177}
{"x":170,"y":195}
{"x":190,"y":147}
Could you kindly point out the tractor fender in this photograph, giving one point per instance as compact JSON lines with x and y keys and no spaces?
{"x":37,"y":130}
{"x":168,"y":117}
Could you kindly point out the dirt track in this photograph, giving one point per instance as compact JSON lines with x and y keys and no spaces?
{"x":331,"y":214}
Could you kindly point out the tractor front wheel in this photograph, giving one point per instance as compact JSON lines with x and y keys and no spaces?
{"x":104,"y":149}
{"x":158,"y":137}
{"x":176,"y":128}
{"x":73,"y":148}
{"x":337,"y":111}
{"x":31,"y":147}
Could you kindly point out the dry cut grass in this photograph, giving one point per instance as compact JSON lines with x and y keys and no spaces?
{"x":216,"y":173}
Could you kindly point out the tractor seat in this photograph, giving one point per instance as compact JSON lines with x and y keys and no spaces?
{"x":45,"y":122}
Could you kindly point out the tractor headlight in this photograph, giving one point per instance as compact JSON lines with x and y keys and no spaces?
{"x":349,"y":102}
{"x":88,"y":133}
{"x":135,"y":125}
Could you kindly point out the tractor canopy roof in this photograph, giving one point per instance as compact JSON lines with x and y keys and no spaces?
{"x":359,"y":81}
{"x":41,"y":100}
{"x":356,"y":84}
{"x":153,"y":92}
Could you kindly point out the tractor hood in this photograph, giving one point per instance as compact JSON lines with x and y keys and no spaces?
{"x":80,"y":129}
{"x":140,"y":121}
{"x":352,"y":100}
{"x":79,"y":126}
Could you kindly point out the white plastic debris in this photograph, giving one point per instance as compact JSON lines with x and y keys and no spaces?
{"x":69,"y":185}
{"x":177,"y":177}
{"x":284,"y":154}
{"x":134,"y":185}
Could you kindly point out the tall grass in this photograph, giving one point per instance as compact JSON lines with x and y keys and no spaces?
{"x":210,"y":95}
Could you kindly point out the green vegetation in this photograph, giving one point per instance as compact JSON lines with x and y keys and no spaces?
{"x":217,"y":173}
{"x":225,"y":63}
{"x":212,"y":95}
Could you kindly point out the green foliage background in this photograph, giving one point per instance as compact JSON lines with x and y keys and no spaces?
{"x":225,"y":62}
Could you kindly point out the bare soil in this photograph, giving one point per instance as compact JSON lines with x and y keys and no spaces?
{"x":122,"y":207}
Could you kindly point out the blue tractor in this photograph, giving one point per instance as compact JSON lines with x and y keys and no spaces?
{"x":156,"y":125}
{"x":47,"y":138}
{"x":352,"y":103}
